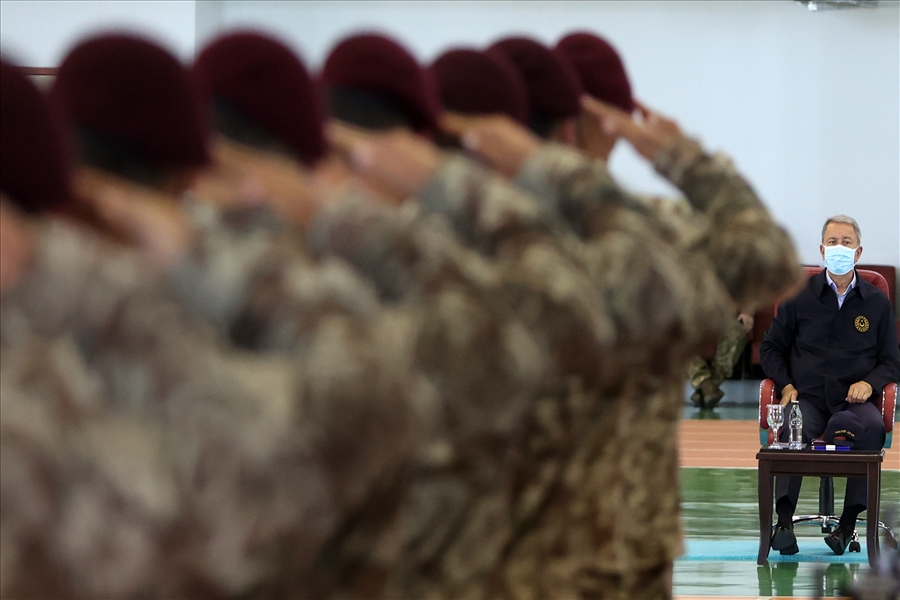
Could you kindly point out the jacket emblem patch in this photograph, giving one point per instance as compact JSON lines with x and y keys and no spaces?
{"x":861,"y":323}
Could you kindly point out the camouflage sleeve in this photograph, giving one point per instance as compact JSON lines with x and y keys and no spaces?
{"x":572,"y":186}
{"x":76,"y":281}
{"x":655,"y":298}
{"x":523,"y":236}
{"x":622,"y":290}
{"x":722,"y":219}
{"x":248,"y":275}
{"x":537,"y":255}
{"x":482,"y":208}
{"x":753,"y":256}
{"x":409,"y":254}
{"x":216,"y":275}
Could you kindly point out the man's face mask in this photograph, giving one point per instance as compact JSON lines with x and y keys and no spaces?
{"x":839,"y":259}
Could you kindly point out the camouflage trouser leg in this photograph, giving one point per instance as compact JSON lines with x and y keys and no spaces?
{"x":727,"y":354}
{"x":698,"y":371}
{"x":647,"y":584}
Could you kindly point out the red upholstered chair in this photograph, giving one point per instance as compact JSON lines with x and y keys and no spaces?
{"x":887,"y":404}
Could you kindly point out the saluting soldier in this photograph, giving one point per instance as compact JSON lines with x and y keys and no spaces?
{"x":142,"y":454}
{"x":532,"y":247}
{"x":485,"y":366}
{"x":723,"y":237}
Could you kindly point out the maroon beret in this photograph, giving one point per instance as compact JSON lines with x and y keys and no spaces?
{"x":474,"y":82}
{"x":267,"y":83}
{"x":134,"y":91}
{"x":599,"y":67}
{"x":553,"y":87}
{"x":378,"y":65}
{"x":34,"y":160}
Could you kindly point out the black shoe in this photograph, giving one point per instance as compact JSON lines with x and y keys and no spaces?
{"x":711,"y":393}
{"x":839,"y":539}
{"x":697,"y":399}
{"x":784,"y":539}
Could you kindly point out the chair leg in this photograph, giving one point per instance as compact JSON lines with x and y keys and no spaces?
{"x":826,"y":500}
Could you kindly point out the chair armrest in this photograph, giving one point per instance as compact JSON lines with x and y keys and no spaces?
{"x":888,"y":406}
{"x":766,"y":397}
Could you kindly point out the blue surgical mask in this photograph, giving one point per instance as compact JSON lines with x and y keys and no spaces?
{"x":839,"y":259}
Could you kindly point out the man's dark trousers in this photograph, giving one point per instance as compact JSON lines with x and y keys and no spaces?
{"x":815,"y":419}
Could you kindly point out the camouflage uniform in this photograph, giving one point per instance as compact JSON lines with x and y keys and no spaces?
{"x":728,"y":351}
{"x":518,"y":352}
{"x":141,"y":457}
{"x":484,"y":368}
{"x":664,"y":295}
{"x":452,"y":541}
{"x":612,"y":528}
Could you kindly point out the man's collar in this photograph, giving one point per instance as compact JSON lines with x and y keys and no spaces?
{"x":833,"y":285}
{"x":856,"y":282}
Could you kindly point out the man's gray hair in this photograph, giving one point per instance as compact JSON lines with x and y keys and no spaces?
{"x":843,"y":219}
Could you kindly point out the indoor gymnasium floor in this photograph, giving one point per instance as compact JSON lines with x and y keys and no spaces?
{"x":721,"y":519}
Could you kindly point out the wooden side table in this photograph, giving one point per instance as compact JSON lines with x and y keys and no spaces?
{"x":821,"y":464}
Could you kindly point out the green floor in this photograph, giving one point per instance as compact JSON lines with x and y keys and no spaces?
{"x":721,"y":504}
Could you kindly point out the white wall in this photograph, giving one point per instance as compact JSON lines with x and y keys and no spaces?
{"x":808,"y":104}
{"x":39,"y":33}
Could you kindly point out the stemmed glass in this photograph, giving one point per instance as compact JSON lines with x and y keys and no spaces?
{"x":775,"y":417}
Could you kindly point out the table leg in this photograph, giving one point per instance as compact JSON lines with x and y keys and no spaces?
{"x":873,"y":501}
{"x":764,"y":489}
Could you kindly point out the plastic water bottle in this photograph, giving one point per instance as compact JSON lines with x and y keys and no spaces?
{"x":796,"y":425}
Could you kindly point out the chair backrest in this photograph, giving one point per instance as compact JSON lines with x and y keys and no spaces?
{"x":889,"y":272}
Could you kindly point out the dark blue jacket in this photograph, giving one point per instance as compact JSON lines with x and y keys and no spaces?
{"x":823,"y":350}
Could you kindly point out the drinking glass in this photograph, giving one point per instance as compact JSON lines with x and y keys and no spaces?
{"x":775,"y":417}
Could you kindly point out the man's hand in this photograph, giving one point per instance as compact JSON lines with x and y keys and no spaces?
{"x":497,"y":140}
{"x":16,"y":245}
{"x":230,"y":182}
{"x":245,"y":177}
{"x":397,"y":160}
{"x":788,"y":394}
{"x":859,"y":392}
{"x":152,"y":219}
{"x":650,"y":136}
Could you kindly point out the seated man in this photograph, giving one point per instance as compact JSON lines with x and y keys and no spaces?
{"x":833,"y":347}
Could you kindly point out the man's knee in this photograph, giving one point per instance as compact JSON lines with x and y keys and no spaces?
{"x":872,"y":423}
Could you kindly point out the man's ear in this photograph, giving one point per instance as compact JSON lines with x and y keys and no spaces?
{"x":822,"y":251}
{"x":858,"y":254}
